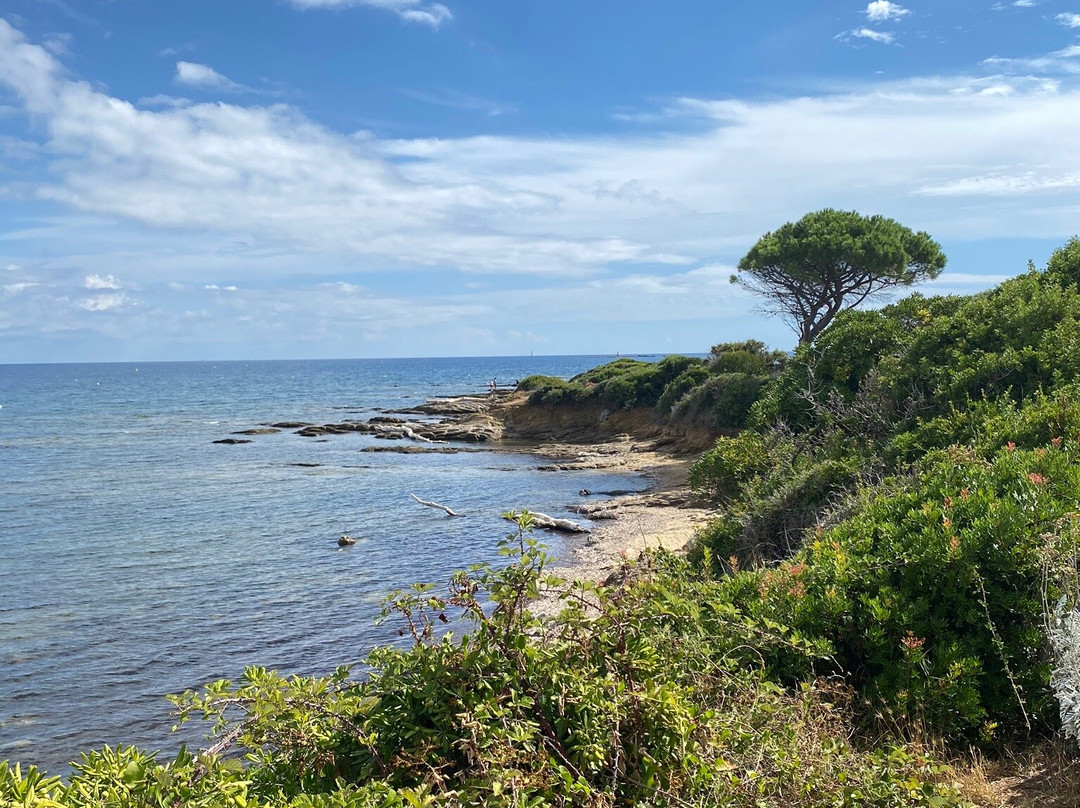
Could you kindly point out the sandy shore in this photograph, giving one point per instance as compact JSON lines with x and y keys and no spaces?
{"x":666,"y":515}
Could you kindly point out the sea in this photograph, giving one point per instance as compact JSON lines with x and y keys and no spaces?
{"x":139,"y":558}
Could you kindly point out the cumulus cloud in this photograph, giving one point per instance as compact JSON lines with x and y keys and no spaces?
{"x":271,"y":179}
{"x":204,"y":77}
{"x":882,"y":10}
{"x":1069,"y":19}
{"x":58,"y":44}
{"x":431,"y":14}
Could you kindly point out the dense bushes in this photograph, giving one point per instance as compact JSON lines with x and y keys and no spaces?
{"x":930,"y":593}
{"x":649,"y":692}
{"x":914,"y":469}
{"x":716,"y":394}
{"x":923,"y":357}
{"x":879,"y":389}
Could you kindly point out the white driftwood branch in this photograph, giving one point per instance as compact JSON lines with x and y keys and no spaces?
{"x":409,"y":433}
{"x":542,"y":520}
{"x":449,"y":512}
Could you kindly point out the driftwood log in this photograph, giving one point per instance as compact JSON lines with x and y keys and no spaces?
{"x":542,"y":520}
{"x":448,"y":511}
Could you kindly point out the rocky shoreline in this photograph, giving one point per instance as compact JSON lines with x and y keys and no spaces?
{"x":569,"y":438}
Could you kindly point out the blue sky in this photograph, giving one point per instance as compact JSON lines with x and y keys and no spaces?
{"x":340,"y":178}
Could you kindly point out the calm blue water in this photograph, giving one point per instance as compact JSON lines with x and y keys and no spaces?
{"x":138,"y":558}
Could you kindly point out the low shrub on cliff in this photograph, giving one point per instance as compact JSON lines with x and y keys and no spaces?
{"x":717,"y":393}
{"x":721,"y":402}
{"x":552,"y":391}
{"x":750,"y":357}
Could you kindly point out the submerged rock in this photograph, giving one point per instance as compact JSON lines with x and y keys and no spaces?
{"x":231,"y":441}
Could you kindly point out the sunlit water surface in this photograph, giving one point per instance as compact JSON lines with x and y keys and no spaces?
{"x":138,"y":558}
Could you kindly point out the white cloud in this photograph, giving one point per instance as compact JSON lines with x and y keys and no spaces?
{"x":1069,"y":19}
{"x":458,"y":100}
{"x":426,"y":13}
{"x":991,"y":185}
{"x":99,"y":282}
{"x":1065,"y":61}
{"x":15,"y":288}
{"x":191,"y":74}
{"x":164,"y":100}
{"x":882,"y":10}
{"x":884,"y":37}
{"x":106,"y":302}
{"x":58,"y":44}
{"x":637,"y":227}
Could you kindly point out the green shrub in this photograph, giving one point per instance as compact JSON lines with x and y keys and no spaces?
{"x":1064,"y":264}
{"x":723,"y":472}
{"x":676,"y":389}
{"x":780,"y":508}
{"x":552,"y":391}
{"x":644,"y":385}
{"x":991,"y":425}
{"x":602,"y":373}
{"x":1015,"y":340}
{"x":750,"y":357}
{"x":930,"y":594}
{"x":530,"y":383}
{"x":722,"y":402}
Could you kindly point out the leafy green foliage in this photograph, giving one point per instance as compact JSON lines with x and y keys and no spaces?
{"x":930,"y":592}
{"x":1064,"y":264}
{"x":716,"y":394}
{"x":722,"y":402}
{"x":750,"y":357}
{"x":723,"y":472}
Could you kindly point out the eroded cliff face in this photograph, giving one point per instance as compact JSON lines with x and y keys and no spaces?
{"x":509,"y":418}
{"x":593,"y":423}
